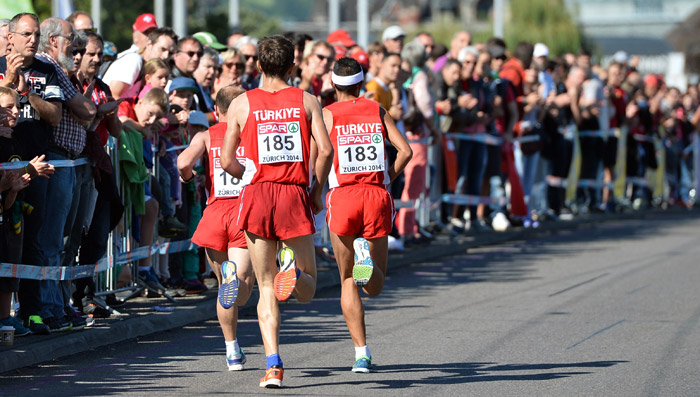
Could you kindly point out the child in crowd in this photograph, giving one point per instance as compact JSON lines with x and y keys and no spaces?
{"x":11,"y":182}
{"x":181,"y":94}
{"x":140,"y":126}
{"x":184,"y":267}
{"x":155,"y":75}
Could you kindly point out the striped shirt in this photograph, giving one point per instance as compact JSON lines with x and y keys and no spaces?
{"x":68,"y":134}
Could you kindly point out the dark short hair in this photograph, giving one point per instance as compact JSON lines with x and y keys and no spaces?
{"x":584,"y":52}
{"x":163,"y":31}
{"x":388,"y":55}
{"x":15,"y":20}
{"x":226,"y":95}
{"x":438,"y":50}
{"x":181,"y":42}
{"x":347,"y":66}
{"x":376,"y":47}
{"x":94,"y":36}
{"x":523,"y":51}
{"x":276,"y":55}
{"x":496,"y":41}
{"x":452,"y":61}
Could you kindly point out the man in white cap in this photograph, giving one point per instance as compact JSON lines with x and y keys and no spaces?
{"x":539,"y":55}
{"x":392,"y":38}
{"x":621,"y":57}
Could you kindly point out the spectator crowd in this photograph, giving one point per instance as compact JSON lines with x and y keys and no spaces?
{"x":503,"y":135}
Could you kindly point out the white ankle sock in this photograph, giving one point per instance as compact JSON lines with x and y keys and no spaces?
{"x":362,"y":351}
{"x":232,"y":347}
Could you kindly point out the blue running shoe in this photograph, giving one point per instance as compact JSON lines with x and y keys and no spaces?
{"x":362,"y":271}
{"x":235,"y":362}
{"x":228,"y":291}
{"x":362,"y":365}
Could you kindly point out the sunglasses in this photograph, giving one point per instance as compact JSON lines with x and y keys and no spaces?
{"x":247,"y":57}
{"x":237,"y":65}
{"x":193,"y":53}
{"x":70,"y":38}
{"x":322,"y":57}
{"x":81,"y":52}
{"x":91,"y":30}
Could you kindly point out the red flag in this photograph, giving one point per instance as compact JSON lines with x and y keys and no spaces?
{"x":517,"y":197}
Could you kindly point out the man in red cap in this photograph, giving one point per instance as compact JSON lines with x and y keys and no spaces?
{"x":144,"y":24}
{"x":352,"y":49}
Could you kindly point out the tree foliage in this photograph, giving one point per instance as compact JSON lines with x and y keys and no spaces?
{"x":545,"y":21}
{"x":117,"y":19}
{"x":253,"y":23}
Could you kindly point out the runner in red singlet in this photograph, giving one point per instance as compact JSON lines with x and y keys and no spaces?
{"x":217,"y":231}
{"x":279,"y":126}
{"x":360,"y":209}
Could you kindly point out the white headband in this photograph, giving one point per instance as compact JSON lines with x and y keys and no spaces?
{"x":347,"y":80}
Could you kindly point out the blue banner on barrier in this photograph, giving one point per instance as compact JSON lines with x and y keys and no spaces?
{"x":18,"y":165}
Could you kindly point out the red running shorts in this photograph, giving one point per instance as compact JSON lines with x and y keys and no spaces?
{"x":276,"y":211}
{"x":360,"y":210}
{"x":218,"y":227}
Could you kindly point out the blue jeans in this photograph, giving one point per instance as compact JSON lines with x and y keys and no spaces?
{"x":77,"y":223}
{"x":526,"y":164}
{"x":687,"y":177}
{"x":471,"y":159}
{"x":30,"y":290}
{"x":59,"y":198}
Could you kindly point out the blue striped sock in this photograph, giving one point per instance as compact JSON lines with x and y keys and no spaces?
{"x":274,"y":359}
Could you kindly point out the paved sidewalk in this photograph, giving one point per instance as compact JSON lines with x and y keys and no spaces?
{"x":140,"y":319}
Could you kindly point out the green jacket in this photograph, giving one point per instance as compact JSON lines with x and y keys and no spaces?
{"x":133,"y":170}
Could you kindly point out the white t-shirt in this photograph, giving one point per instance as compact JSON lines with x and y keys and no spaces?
{"x":126,"y":68}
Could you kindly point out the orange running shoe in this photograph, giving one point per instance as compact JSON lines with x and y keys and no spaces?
{"x":286,"y":279}
{"x":273,"y":377}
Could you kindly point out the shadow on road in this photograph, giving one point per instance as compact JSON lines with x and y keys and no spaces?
{"x":134,"y":368}
{"x":414,"y":375}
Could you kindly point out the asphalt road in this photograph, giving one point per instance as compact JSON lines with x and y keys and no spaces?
{"x":612,"y":309}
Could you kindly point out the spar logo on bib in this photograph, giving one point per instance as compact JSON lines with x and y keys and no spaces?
{"x":376,"y":138}
{"x":293,"y":127}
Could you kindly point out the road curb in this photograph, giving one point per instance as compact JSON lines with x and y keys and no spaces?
{"x":153,"y":322}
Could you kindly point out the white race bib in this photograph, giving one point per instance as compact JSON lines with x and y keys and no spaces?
{"x":279,"y":142}
{"x":225,"y":185}
{"x":358,"y":153}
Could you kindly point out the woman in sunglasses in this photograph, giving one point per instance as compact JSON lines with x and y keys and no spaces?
{"x":319,"y":57}
{"x":232,"y":69}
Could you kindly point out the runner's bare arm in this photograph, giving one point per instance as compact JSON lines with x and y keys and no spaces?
{"x":188,"y":158}
{"x":320,"y":135}
{"x":313,"y":155}
{"x":399,"y":142}
{"x":324,"y":149}
{"x":237,"y":116}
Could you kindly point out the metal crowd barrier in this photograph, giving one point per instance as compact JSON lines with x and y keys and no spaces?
{"x":120,"y":251}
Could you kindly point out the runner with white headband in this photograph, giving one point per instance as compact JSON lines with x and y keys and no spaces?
{"x":347,"y":80}
{"x":360,"y":209}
